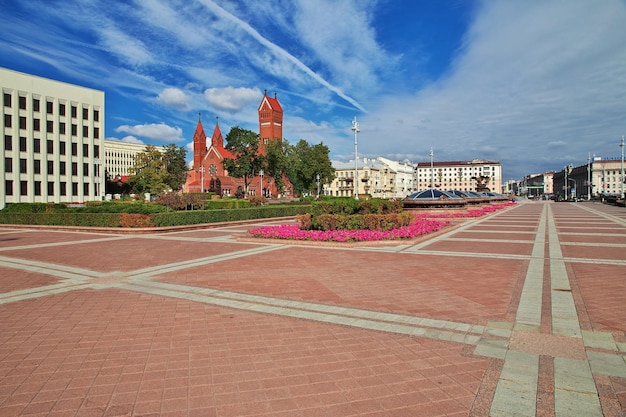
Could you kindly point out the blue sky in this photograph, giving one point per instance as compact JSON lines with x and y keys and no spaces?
{"x":534,"y":84}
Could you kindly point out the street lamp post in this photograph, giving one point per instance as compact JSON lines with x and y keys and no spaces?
{"x":261,"y":173}
{"x":589,"y":177}
{"x":202,"y":178}
{"x":432,"y":169}
{"x":317,"y":177}
{"x":355,"y":129}
{"x":622,"y":176}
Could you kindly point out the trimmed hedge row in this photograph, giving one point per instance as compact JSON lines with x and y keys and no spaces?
{"x":348,"y":206}
{"x":150,"y":220}
{"x":214,"y":216}
{"x":325,"y":222}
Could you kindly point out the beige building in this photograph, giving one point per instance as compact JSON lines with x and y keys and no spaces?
{"x":119,"y":156}
{"x":378,"y":178}
{"x":458,"y":175}
{"x":606,"y":176}
{"x":52,"y":140}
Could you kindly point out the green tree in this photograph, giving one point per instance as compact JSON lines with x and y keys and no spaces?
{"x":305,"y":162}
{"x":244,"y":145}
{"x":276,"y":162}
{"x":148,"y":175}
{"x":175,"y":166}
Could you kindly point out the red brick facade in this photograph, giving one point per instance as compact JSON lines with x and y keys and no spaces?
{"x":207,"y":161}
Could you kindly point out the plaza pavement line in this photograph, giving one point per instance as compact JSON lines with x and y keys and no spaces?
{"x":564,"y":316}
{"x":528,"y":315}
{"x":372,"y":320}
{"x":575,"y":391}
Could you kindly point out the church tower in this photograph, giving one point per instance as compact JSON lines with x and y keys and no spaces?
{"x":270,"y":121}
{"x":199,"y":145}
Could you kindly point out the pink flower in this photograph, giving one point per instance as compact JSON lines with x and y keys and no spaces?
{"x":421,"y":226}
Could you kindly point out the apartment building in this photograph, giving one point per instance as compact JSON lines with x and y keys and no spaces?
{"x":52,"y":140}
{"x":379,"y":178}
{"x":459,"y":175}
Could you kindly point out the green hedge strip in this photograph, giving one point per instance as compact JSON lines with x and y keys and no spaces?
{"x":155,"y":219}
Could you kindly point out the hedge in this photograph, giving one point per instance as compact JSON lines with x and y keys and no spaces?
{"x":213,"y":216}
{"x":349,"y":206}
{"x":150,"y":220}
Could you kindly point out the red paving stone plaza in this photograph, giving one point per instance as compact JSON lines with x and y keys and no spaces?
{"x":519,"y":313}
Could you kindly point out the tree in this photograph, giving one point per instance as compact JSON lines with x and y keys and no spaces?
{"x":305,"y":163}
{"x":276,"y":162}
{"x":175,"y":166}
{"x":244,"y":145}
{"x":155,"y":171}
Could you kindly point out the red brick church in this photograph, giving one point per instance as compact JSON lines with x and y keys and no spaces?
{"x":208,"y":173}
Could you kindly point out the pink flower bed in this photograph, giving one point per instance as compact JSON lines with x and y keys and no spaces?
{"x":421,"y":226}
{"x":293,"y":232}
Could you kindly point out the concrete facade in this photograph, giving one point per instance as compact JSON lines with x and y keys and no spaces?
{"x":379,"y":178}
{"x":119,"y":156}
{"x":52,"y":140}
{"x":458,"y":175}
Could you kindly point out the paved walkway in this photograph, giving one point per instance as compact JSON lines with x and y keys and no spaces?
{"x":520,"y":313}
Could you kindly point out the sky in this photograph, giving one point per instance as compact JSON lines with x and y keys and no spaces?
{"x":533,"y":84}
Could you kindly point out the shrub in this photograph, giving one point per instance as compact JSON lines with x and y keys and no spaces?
{"x":257,"y":200}
{"x":135,"y":220}
{"x":360,"y":221}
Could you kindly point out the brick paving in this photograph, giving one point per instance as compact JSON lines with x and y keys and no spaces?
{"x":519,"y":313}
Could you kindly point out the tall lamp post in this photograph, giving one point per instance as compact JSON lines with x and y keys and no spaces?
{"x":622,"y":178}
{"x":432,"y":169}
{"x":317,"y":178}
{"x":261,"y":173}
{"x":355,"y":129}
{"x":589,"y":177}
{"x":202,"y":178}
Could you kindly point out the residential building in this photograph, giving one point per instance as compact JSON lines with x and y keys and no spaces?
{"x":378,"y":178}
{"x":474,"y":175}
{"x":53,"y":136}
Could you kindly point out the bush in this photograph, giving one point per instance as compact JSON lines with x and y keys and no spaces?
{"x":33,"y":208}
{"x":388,"y":221}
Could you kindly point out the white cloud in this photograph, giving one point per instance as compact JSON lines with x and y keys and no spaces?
{"x":174,"y":97}
{"x":232,"y":99}
{"x":527,"y":77}
{"x":159,"y":132}
{"x":132,"y":139}
{"x":126,"y":47}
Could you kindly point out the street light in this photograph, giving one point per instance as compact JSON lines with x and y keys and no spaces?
{"x":432,"y":169}
{"x":355,"y":129}
{"x":622,"y":178}
{"x":202,"y":178}
{"x":589,"y":177}
{"x":261,"y":175}
{"x":317,"y":177}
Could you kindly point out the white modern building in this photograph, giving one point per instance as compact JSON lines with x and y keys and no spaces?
{"x":52,"y":140}
{"x":119,"y":156}
{"x":458,"y":175}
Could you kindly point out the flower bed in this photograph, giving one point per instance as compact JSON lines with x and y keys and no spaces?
{"x":423,"y":224}
{"x":293,"y":232}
